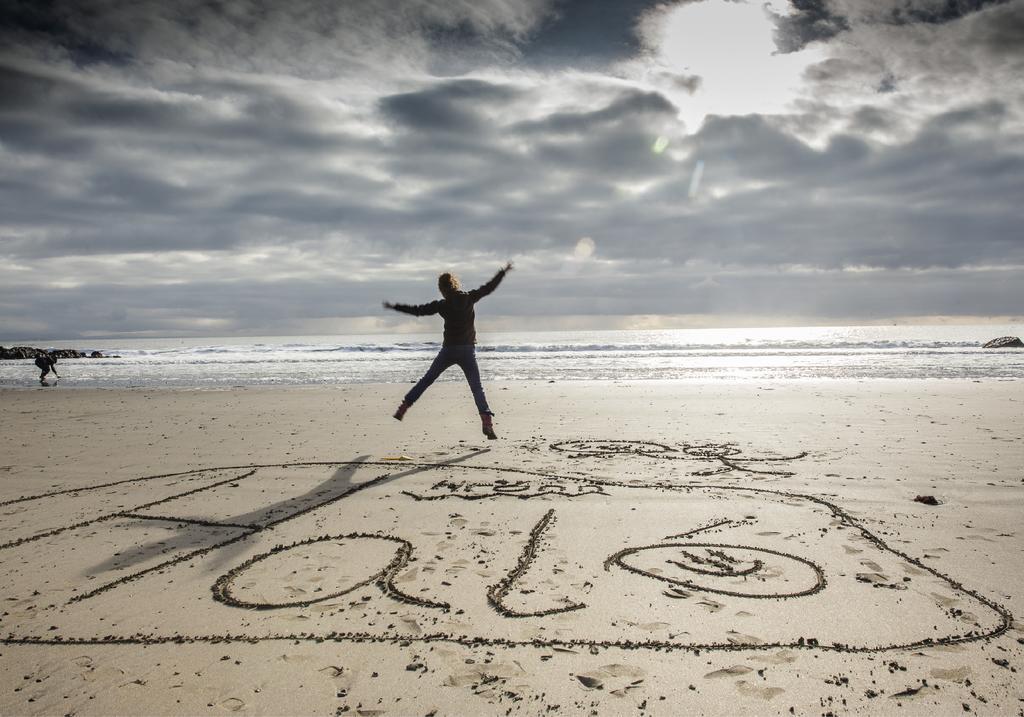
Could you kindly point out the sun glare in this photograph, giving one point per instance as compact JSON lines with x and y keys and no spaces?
{"x":730,"y":46}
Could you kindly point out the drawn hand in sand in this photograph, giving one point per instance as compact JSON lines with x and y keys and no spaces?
{"x":728,"y":455}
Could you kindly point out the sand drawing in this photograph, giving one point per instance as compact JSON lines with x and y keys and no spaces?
{"x":728,"y":455}
{"x":497,"y":593}
{"x":366,"y":550}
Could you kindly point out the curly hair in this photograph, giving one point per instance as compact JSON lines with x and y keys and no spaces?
{"x":448,"y":283}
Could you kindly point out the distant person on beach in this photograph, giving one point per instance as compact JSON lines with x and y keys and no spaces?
{"x":459,"y":345}
{"x":46,"y":363}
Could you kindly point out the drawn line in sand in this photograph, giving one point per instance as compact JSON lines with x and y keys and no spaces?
{"x":121,"y":514}
{"x":497,"y":593}
{"x":156,"y":568}
{"x":384,"y":579}
{"x":728,"y":454}
{"x":188,"y":521}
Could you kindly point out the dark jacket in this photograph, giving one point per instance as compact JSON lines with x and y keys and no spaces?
{"x":457,"y":311}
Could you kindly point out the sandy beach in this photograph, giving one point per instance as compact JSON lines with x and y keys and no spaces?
{"x":649,"y":548}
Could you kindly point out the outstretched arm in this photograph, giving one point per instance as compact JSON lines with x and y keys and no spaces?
{"x":416,"y":310}
{"x":477,"y":294}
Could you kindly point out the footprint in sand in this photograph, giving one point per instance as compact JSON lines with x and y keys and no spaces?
{"x":738,"y":638}
{"x":411,"y":625}
{"x":944,"y":600}
{"x":878,"y":580}
{"x":406,"y":575}
{"x":618,"y":679}
{"x":232,"y":704}
{"x":782,"y":657}
{"x":765,"y":693}
{"x":733,"y":671}
{"x":956,"y":674}
{"x":653,"y":626}
{"x":710,"y":605}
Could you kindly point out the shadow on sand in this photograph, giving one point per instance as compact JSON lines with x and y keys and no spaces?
{"x":340,"y":484}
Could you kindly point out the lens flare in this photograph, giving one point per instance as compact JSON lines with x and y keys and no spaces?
{"x":660,"y":145}
{"x":698,"y":173}
{"x":584,"y":248}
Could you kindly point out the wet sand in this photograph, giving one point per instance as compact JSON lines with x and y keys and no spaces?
{"x":662,"y":548}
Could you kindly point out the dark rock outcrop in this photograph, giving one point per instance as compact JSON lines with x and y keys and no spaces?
{"x":1005,"y":342}
{"x":20,"y":352}
{"x":29,"y":352}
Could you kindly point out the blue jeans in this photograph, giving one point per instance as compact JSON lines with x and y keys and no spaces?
{"x":448,"y":356}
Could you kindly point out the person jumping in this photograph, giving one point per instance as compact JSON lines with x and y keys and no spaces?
{"x":459,"y":345}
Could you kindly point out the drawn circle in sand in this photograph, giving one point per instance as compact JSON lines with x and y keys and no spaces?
{"x":707,"y":451}
{"x":737,"y":570}
{"x":580,"y":448}
{"x":311,"y":571}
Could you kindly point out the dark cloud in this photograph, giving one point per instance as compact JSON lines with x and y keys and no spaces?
{"x":587,"y":33}
{"x":936,"y":11}
{"x":868,"y":119}
{"x":45,"y":23}
{"x":1000,"y":31}
{"x":452,"y":106}
{"x":306,"y":38}
{"x":809,"y":21}
{"x":987,"y":116}
{"x":818,"y":20}
{"x":630,"y":106}
{"x":687,"y":83}
{"x":887,"y":84}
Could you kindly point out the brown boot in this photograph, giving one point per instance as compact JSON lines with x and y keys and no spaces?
{"x":488,"y":426}
{"x":400,"y":413}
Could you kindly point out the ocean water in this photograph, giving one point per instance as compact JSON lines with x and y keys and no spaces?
{"x":840,"y":352}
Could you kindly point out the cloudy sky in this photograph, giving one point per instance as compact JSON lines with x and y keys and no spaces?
{"x":253,"y":167}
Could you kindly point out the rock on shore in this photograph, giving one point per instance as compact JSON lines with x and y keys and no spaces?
{"x":29,"y":352}
{"x":1004,"y":342}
